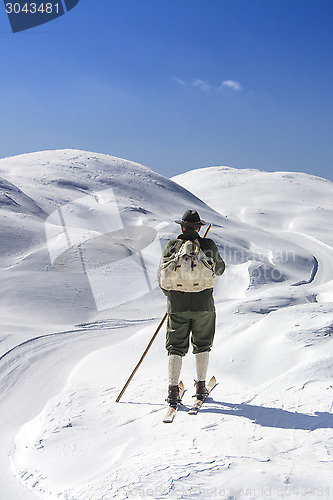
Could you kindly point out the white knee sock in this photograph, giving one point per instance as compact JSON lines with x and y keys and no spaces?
{"x":174,"y":368}
{"x":201,"y":365}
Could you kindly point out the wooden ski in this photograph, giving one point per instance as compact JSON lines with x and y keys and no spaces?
{"x":199,"y":402}
{"x":170,"y":415}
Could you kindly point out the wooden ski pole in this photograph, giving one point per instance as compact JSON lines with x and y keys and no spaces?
{"x":142,"y":357}
{"x":150,"y":343}
{"x":206,"y":232}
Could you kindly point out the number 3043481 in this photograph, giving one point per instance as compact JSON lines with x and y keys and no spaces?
{"x":32,"y":8}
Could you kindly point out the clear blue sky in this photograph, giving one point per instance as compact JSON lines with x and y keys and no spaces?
{"x":175,"y":84}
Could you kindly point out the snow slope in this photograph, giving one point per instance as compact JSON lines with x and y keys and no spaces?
{"x":82,"y":234}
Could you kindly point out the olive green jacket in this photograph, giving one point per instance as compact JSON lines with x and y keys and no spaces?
{"x":193,"y":301}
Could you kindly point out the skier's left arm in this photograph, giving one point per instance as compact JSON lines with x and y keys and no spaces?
{"x":212,"y":251}
{"x":219,"y":262}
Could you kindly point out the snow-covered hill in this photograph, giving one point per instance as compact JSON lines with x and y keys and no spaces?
{"x":81,"y":236}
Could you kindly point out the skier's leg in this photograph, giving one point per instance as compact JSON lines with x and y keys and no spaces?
{"x":203,"y":331}
{"x":201,"y":365}
{"x":177,"y":344}
{"x":178,"y":333}
{"x":174,"y":368}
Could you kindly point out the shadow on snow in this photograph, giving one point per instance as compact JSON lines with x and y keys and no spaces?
{"x":274,"y":417}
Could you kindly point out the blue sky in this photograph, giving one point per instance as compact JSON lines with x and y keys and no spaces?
{"x":175,"y":84}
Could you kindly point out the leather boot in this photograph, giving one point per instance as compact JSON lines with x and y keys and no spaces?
{"x":200,"y":389}
{"x":173,"y":395}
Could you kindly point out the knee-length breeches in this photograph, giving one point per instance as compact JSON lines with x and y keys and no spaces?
{"x":198,"y":326}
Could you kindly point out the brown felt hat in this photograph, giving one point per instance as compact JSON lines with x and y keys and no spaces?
{"x":191,"y":217}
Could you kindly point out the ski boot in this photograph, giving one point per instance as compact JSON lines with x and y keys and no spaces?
{"x":173,"y":398}
{"x":201,"y":391}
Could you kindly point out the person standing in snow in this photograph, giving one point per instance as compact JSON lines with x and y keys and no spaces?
{"x":190,"y":312}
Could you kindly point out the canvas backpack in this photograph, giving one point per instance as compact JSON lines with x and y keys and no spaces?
{"x":187,"y":269}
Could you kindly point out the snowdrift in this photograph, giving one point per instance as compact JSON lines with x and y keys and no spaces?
{"x":81,"y":236}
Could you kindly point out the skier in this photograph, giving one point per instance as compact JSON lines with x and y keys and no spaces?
{"x":190,"y":312}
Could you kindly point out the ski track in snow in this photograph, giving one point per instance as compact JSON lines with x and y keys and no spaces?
{"x":266,"y":430}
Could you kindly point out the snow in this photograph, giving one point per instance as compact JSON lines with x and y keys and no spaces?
{"x":81,"y":236}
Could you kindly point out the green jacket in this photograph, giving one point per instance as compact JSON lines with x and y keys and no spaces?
{"x":196,"y":301}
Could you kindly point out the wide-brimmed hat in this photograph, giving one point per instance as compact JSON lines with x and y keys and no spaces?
{"x":191,"y":217}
